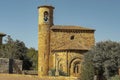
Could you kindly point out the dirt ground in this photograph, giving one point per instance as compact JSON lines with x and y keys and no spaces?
{"x":30,"y":77}
{"x":18,"y":77}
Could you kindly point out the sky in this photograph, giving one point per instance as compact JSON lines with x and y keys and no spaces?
{"x":19,"y":18}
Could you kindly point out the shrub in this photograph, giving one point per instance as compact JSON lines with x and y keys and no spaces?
{"x":52,"y":72}
{"x":116,"y":77}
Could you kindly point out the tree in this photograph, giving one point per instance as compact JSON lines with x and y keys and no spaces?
{"x":33,"y":56}
{"x":116,"y":77}
{"x":15,"y":49}
{"x":106,"y":58}
{"x":87,"y":69}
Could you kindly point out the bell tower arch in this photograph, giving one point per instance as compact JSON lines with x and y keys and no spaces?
{"x":45,"y":15}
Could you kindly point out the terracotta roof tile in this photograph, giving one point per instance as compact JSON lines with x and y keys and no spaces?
{"x":60,"y":27}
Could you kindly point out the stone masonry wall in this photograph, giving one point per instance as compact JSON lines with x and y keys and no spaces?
{"x":7,"y":67}
{"x":67,"y":58}
{"x":59,"y":39}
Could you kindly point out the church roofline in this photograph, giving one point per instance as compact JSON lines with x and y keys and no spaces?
{"x":61,"y":27}
{"x":56,"y":50}
{"x":47,"y":6}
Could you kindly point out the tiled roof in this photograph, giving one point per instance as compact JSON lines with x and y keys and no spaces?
{"x":60,"y":27}
{"x":48,"y":6}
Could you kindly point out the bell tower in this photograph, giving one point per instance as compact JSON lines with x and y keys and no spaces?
{"x":45,"y":21}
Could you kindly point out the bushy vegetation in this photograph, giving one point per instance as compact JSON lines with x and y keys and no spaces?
{"x":32,"y":54}
{"x":13,"y":49}
{"x":87,"y":70}
{"x":116,"y":77}
{"x":16,"y":49}
{"x":106,"y":59}
{"x":61,"y":73}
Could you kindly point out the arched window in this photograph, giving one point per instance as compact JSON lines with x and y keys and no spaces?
{"x":61,"y":67}
{"x":72,"y":37}
{"x":76,"y":68}
{"x":45,"y":16}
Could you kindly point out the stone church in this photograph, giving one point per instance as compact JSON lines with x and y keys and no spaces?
{"x":61,"y":47}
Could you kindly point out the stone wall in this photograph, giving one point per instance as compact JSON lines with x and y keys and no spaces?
{"x":10,"y":66}
{"x":44,"y":39}
{"x":67,"y":49}
{"x":65,"y":60}
{"x":81,"y":39}
{"x":4,"y":65}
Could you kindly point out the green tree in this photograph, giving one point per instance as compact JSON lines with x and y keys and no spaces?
{"x":33,"y":56}
{"x":106,"y":58}
{"x":15,"y":49}
{"x":87,"y":69}
{"x":116,"y":77}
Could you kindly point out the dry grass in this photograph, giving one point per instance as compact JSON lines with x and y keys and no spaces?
{"x":30,"y":77}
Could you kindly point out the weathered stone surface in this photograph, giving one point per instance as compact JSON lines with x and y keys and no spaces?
{"x":44,"y":39}
{"x":82,"y":40}
{"x":61,"y":47}
{"x":70,"y":50}
{"x":4,"y":65}
{"x":10,"y":66}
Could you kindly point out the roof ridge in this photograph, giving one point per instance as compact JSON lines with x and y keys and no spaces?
{"x":69,"y":27}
